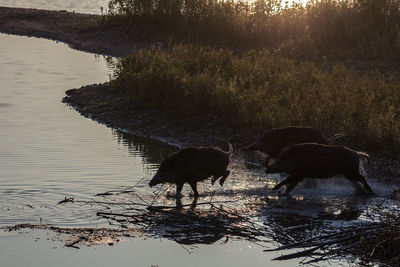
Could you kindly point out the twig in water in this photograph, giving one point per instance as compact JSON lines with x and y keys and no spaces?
{"x":69,"y":199}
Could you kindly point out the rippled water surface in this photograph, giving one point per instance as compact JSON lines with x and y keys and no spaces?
{"x":48,"y":151}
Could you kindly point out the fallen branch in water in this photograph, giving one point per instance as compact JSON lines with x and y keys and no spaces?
{"x":70,"y":199}
{"x":374,"y":241}
{"x":73,"y":243}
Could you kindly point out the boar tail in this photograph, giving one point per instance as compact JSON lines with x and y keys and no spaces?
{"x":230,"y":149}
{"x":365,"y":155}
{"x":336,"y":136}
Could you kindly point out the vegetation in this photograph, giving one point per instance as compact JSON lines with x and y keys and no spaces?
{"x":261,"y":90}
{"x":262,"y":64}
{"x":340,"y":28}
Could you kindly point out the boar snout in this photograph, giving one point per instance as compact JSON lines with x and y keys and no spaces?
{"x":156,"y":180}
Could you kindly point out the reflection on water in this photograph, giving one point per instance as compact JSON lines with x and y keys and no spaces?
{"x":81,"y":6}
{"x":151,"y":152}
{"x":49,"y":151}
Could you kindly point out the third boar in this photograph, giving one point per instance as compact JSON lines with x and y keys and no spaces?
{"x":312,"y":160}
{"x":272,"y":141}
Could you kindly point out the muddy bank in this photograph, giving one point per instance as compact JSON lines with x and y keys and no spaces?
{"x":80,"y":31}
{"x":98,"y":103}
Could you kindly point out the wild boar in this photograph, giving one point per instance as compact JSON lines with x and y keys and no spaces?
{"x":272,"y":141}
{"x":191,"y":165}
{"x":313,"y":160}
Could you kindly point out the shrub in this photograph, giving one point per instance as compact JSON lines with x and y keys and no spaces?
{"x":346,"y":28}
{"x":261,"y":89}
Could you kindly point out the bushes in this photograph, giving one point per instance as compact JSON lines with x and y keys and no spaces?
{"x":346,"y":28}
{"x":260,"y":90}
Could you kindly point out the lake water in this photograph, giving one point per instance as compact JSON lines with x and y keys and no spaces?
{"x":48,"y":151}
{"x":87,"y":6}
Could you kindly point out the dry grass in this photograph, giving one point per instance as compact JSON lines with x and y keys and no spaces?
{"x":260,"y":90}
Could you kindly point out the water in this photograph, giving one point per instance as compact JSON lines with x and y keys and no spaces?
{"x":87,"y":6}
{"x":48,"y":151}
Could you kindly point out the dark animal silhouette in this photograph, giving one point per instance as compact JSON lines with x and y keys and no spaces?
{"x":313,"y":160}
{"x":272,"y":141}
{"x":191,"y":165}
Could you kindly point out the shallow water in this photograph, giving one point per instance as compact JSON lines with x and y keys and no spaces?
{"x":80,"y":6}
{"x":48,"y":151}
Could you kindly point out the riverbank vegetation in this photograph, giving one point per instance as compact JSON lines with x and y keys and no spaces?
{"x":359,"y":29}
{"x":263,"y":64}
{"x":260,"y":90}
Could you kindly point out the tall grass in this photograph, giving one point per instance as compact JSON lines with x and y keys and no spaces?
{"x":358,"y":28}
{"x":260,"y":90}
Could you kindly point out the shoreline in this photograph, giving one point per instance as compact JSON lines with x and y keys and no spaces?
{"x":82,"y":32}
{"x":79,"y":31}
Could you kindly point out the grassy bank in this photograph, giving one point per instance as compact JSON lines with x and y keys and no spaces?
{"x":367,"y":29}
{"x":260,"y":90}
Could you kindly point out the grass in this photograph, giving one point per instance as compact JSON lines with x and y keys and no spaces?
{"x":260,"y":89}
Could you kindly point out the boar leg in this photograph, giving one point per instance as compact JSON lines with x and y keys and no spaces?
{"x":213,"y":179}
{"x":288,"y":180}
{"x":266,"y":163}
{"x":193,"y":185}
{"x":179,"y":189}
{"x":291,"y":180}
{"x":178,"y":203}
{"x":293,"y":184}
{"x":194,"y":203}
{"x":222,"y":180}
{"x":360,"y":178}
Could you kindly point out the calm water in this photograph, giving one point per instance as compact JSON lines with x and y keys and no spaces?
{"x":86,"y":6}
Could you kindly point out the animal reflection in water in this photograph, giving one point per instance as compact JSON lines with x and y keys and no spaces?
{"x":188,"y":226}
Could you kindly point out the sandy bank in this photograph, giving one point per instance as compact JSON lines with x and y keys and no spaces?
{"x":80,"y":31}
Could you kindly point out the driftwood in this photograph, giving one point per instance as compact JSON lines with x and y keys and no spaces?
{"x":373,"y":240}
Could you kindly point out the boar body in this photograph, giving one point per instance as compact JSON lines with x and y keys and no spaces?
{"x":311,"y":160}
{"x":191,"y":165}
{"x":272,"y":141}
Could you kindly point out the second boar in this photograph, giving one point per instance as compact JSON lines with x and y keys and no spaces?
{"x":318,"y":161}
